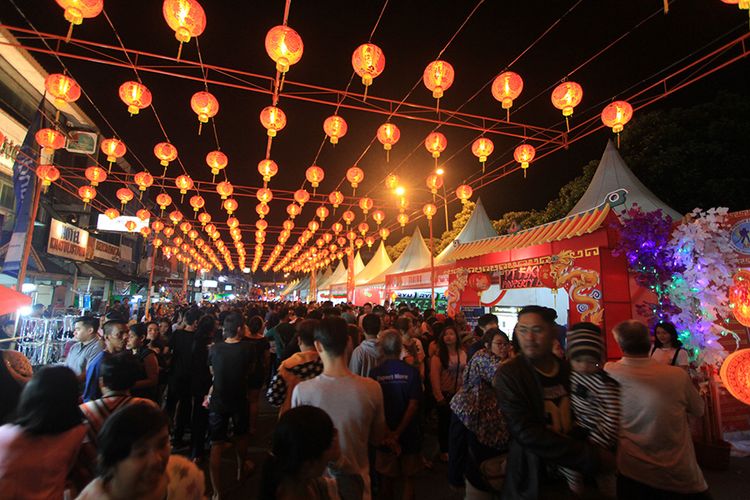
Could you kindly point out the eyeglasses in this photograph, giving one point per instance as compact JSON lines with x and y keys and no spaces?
{"x":536,"y":330}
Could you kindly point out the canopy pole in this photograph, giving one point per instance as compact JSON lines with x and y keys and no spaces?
{"x":29,"y":234}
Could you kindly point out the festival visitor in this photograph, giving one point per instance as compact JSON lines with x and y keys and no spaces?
{"x":231,"y":363}
{"x":115,"y":333}
{"x":259,"y":366}
{"x":402,"y":392}
{"x":533,"y":391}
{"x":281,"y":334}
{"x":147,"y":380}
{"x":478,"y":431}
{"x":354,"y":403}
{"x":15,"y":373}
{"x":200,"y":384}
{"x":304,"y":443}
{"x":303,"y":365}
{"x":484,"y":323}
{"x":159,"y":343}
{"x":446,"y":376}
{"x":38,"y":451}
{"x":412,"y":351}
{"x":667,"y":349}
{"x":86,"y":347}
{"x":595,"y":397}
{"x":179,"y":397}
{"x":367,"y":354}
{"x":655,"y":455}
{"x":135,"y":462}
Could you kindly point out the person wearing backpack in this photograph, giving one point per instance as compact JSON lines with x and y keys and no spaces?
{"x":667,"y":348}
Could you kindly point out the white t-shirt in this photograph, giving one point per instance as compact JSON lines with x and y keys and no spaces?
{"x":355,"y":404}
{"x":665,"y":355}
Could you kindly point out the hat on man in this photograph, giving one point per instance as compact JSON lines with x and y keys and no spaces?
{"x":585,"y":339}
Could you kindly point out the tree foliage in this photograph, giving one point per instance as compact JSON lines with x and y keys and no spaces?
{"x":394,"y":251}
{"x":459,"y":221}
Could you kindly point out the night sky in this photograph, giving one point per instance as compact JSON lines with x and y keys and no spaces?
{"x":411,"y":34}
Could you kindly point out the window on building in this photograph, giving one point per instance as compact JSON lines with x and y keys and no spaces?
{"x":7,"y":197}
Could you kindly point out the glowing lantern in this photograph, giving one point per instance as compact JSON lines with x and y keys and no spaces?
{"x":301,"y":196}
{"x":435,"y":143}
{"x":351,"y":235}
{"x":112,"y":213}
{"x":165,"y":152}
{"x":524,"y":154}
{"x":136,"y":95}
{"x":175,"y":216}
{"x":185,"y":227}
{"x":264,"y":195}
{"x":157,"y":226}
{"x":348,"y":217}
{"x":506,"y":87}
{"x":313,"y":225}
{"x":233,"y":222}
{"x":315,"y":176}
{"x":739,"y":297}
{"x":87,"y":193}
{"x":78,"y":10}
{"x":143,"y":180}
{"x":368,"y":62}
{"x":293,"y":210}
{"x":370,"y":240}
{"x":565,"y":97}
{"x":378,"y":216}
{"x":403,"y":204}
{"x":95,"y":175}
{"x":482,"y":148}
{"x":217,"y":161}
{"x":366,"y":204}
{"x":168,"y":232}
{"x":192,"y":234}
{"x":735,"y":374}
{"x":143,"y":214}
{"x":616,"y":115}
{"x":163,"y":200}
{"x":429,"y":210}
{"x":434,"y":182}
{"x":391,"y":181}
{"x":464,"y":192}
{"x":183,"y":183}
{"x":335,"y":127}
{"x":359,"y":242}
{"x":225,"y":189}
{"x":363,"y":228}
{"x":388,"y":135}
{"x":322,"y":212}
{"x":336,"y":198}
{"x":230,"y":205}
{"x":261,"y":225}
{"x":355,"y":176}
{"x":197,"y":202}
{"x":272,"y":119}
{"x":267,"y":168}
{"x":384,"y":233}
{"x":63,"y":88}
{"x":284,"y":46}
{"x":205,"y":105}
{"x":114,"y":149}
{"x":130,"y":225}
{"x":186,"y":18}
{"x":438,"y":77}
{"x":204,"y":218}
{"x":288,"y":225}
{"x":50,"y":140}
{"x":402,"y":219}
{"x":210,"y":228}
{"x":124,"y":195}
{"x":337,"y":227}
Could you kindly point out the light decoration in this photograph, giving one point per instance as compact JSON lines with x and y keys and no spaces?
{"x":315,"y":176}
{"x":739,"y":297}
{"x":130,"y":225}
{"x":337,"y":227}
{"x":301,"y":196}
{"x":378,"y":216}
{"x":267,"y":168}
{"x":273,"y":119}
{"x":63,"y":88}
{"x":185,"y":227}
{"x":438,"y":77}
{"x":143,"y":180}
{"x":524,"y":154}
{"x":322,"y":213}
{"x":368,"y":62}
{"x":205,"y":105}
{"x":230,"y":205}
{"x":403,"y":220}
{"x":370,"y":241}
{"x":335,"y":128}
{"x":95,"y":175}
{"x":175,"y":216}
{"x":435,"y":143}
{"x":78,"y":10}
{"x":143,"y":214}
{"x":363,"y":227}
{"x":233,"y":222}
{"x":125,"y":195}
{"x":735,"y":375}
{"x":429,"y":210}
{"x":615,"y":115}
{"x":388,"y":134}
{"x":50,"y":140}
{"x":163,"y":200}
{"x":197,"y":202}
{"x":136,"y":96}
{"x":264,"y":195}
{"x":87,"y":193}
{"x":224,"y":189}
{"x":434,"y":182}
{"x":183,"y":183}
{"x":392,"y":182}
{"x":186,"y":18}
{"x":355,"y":176}
{"x":157,"y":226}
{"x":113,"y":149}
{"x":260,"y":225}
{"x":112,"y":213}
{"x":168,"y":231}
{"x":204,"y":218}
{"x":505,"y":88}
{"x":464,"y":192}
{"x":293,"y":210}
{"x":482,"y":148}
{"x":366,"y":204}
{"x":348,"y":217}
{"x":566,"y":97}
{"x":165,"y":153}
{"x":216,"y":161}
{"x":284,"y":46}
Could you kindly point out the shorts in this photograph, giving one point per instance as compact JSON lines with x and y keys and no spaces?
{"x":389,"y":464}
{"x":218,"y":424}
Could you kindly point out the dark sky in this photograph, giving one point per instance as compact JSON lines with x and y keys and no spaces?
{"x":411,"y":33}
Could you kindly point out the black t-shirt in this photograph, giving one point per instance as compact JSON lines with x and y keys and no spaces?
{"x":181,"y":346}
{"x":557,"y":409}
{"x":258,"y":348}
{"x":231,"y":363}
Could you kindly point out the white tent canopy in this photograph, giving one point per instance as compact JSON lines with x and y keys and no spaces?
{"x":415,"y":256}
{"x":478,"y":227}
{"x":379,"y":263}
{"x":613,"y":174}
{"x":358,"y":267}
{"x":336,"y":276}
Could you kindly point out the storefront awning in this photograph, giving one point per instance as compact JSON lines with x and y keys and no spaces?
{"x":101,"y":271}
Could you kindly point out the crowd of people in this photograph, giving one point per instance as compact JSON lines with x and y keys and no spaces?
{"x":533,"y":413}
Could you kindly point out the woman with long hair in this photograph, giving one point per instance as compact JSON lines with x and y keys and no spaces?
{"x":304,"y":442}
{"x":261,"y":359}
{"x":667,"y":347}
{"x":446,"y":376}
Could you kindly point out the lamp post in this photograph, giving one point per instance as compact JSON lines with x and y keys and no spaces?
{"x":429,"y":210}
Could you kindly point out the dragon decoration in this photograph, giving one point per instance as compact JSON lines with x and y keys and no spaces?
{"x":581,"y":285}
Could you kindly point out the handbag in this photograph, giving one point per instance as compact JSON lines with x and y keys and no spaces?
{"x":493,"y":471}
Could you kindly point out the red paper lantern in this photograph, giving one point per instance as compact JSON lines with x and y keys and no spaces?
{"x":264,"y":195}
{"x":482,"y":148}
{"x":735,"y":375}
{"x":143,"y":214}
{"x":112,"y":213}
{"x":205,"y":105}
{"x":216,"y":161}
{"x":95,"y":175}
{"x":402,"y":219}
{"x":124,"y":195}
{"x":368,"y":62}
{"x":114,"y":149}
{"x":435,"y":143}
{"x":384,"y":233}
{"x":284,"y":46}
{"x":366,"y":204}
{"x":204,"y":218}
{"x":273,"y":119}
{"x":348,"y":217}
{"x":507,"y":87}
{"x":438,"y":77}
{"x":267,"y":168}
{"x":739,"y":297}
{"x":136,"y":95}
{"x":388,"y":135}
{"x":78,"y":10}
{"x":434,"y":182}
{"x":566,"y":97}
{"x":337,"y":227}
{"x":314,"y":175}
{"x":363,"y":227}
{"x":183,"y":183}
{"x":186,"y":18}
{"x":157,"y":226}
{"x":391,"y":181}
{"x":429,"y":210}
{"x":230,"y":205}
{"x":464,"y":192}
{"x":163,"y":200}
{"x":293,"y":210}
{"x":130,"y":225}
{"x":355,"y":176}
{"x":197,"y":202}
{"x":143,"y":180}
{"x":322,"y":213}
{"x":87,"y":193}
{"x":378,"y":216}
{"x":165,"y":152}
{"x":301,"y":196}
{"x":63,"y":88}
{"x":225,"y":189}
{"x":50,"y":140}
{"x":335,"y":128}
{"x":336,"y":198}
{"x":524,"y":154}
{"x":615,"y":115}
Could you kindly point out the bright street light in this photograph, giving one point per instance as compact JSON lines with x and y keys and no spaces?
{"x":400,"y":190}
{"x":440,"y":171}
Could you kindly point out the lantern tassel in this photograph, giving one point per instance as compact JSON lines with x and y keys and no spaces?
{"x":200,"y":127}
{"x":109,"y":169}
{"x":524,"y":173}
{"x":507,"y":114}
{"x":666,"y":6}
{"x":214,"y":179}
{"x":140,"y":196}
{"x":182,"y":198}
{"x":281,"y":83}
{"x":164,"y":174}
{"x":70,"y":33}
{"x":364,"y":97}
{"x":483,"y":166}
{"x":567,"y":124}
{"x":437,"y":106}
{"x":387,"y":156}
{"x":618,"y":140}
{"x":179,"y":52}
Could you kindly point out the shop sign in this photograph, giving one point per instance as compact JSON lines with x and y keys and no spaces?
{"x":739,"y":235}
{"x":66,"y":240}
{"x":520,"y":277}
{"x":99,"y":249}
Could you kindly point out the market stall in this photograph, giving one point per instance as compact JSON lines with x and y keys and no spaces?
{"x":364,"y":292}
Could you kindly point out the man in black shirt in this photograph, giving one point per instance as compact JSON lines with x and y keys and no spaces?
{"x":230,"y":363}
{"x":179,"y":397}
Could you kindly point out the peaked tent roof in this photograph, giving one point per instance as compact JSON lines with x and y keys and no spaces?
{"x":338,"y":275}
{"x":613,"y":174}
{"x":415,"y":256}
{"x":478,"y":227}
{"x":379,"y":263}
{"x":358,"y":267}
{"x":289,"y":287}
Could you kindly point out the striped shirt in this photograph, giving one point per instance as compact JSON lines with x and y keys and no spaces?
{"x":596,"y":406}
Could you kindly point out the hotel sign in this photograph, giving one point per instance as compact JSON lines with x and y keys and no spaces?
{"x":66,"y":240}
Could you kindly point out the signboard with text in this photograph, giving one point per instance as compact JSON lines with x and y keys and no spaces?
{"x":66,"y":240}
{"x":99,"y":249}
